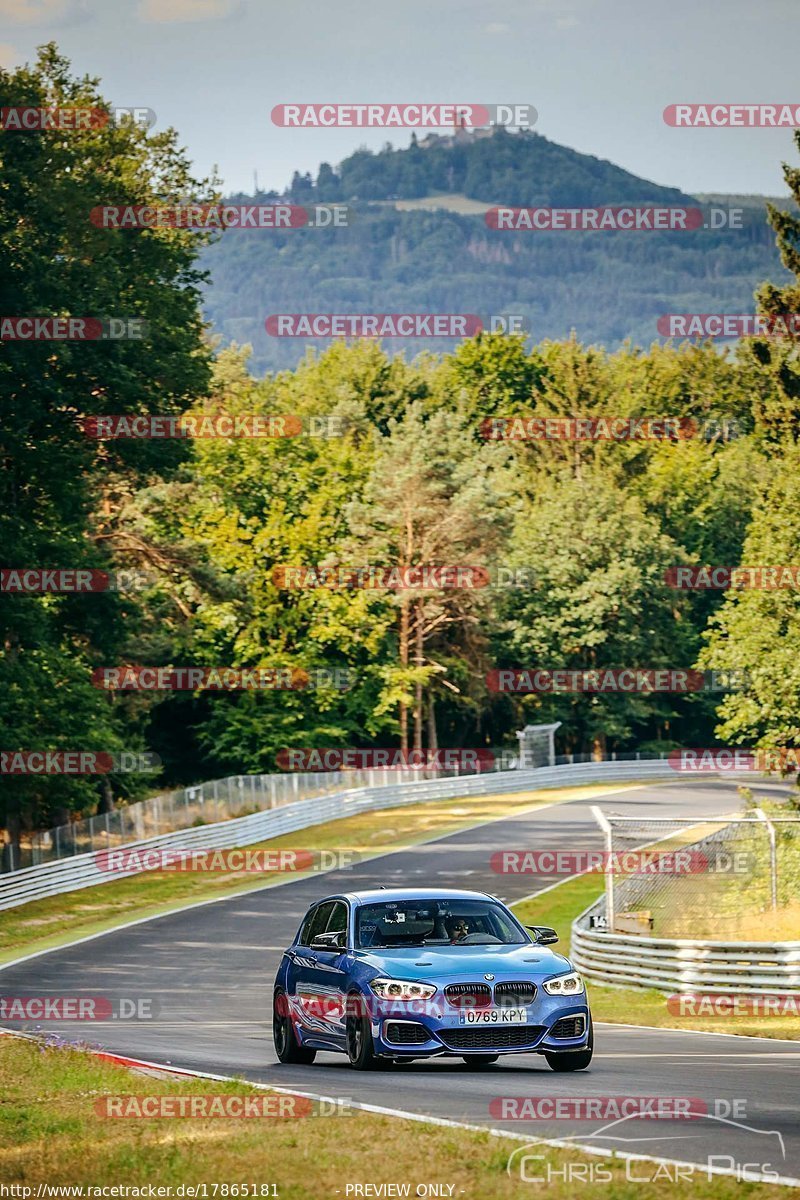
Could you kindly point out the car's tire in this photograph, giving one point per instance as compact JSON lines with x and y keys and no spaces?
{"x":480,"y":1060}
{"x":572,"y":1060}
{"x":287,"y":1047}
{"x":360,"y":1048}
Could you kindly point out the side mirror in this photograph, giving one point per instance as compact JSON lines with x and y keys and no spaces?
{"x":545,"y":936}
{"x":329,"y":941}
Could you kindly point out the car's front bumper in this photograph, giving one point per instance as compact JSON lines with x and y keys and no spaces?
{"x":552,"y":1024}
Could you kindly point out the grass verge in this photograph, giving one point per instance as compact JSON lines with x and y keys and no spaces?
{"x":634,"y":1006}
{"x":46,"y":924}
{"x":51,"y":1134}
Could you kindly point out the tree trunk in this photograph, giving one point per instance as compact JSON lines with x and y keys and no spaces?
{"x":404,"y":663}
{"x":433,"y":737}
{"x":419,"y":659}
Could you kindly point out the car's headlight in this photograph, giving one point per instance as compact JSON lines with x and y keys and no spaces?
{"x":402,"y":989}
{"x":564,"y":985}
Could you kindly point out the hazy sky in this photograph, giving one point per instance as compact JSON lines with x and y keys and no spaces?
{"x":599,"y":72}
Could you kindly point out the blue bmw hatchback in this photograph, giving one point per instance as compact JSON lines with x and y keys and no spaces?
{"x":389,"y":976}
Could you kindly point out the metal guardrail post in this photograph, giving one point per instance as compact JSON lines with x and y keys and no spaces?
{"x":773,"y":856}
{"x":604,"y":824}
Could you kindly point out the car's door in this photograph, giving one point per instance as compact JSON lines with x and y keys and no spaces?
{"x":301,"y":962}
{"x":318,"y":978}
{"x":331,"y":970}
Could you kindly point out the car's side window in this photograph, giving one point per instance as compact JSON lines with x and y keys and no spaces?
{"x":304,"y":936}
{"x":337,"y":921}
{"x":318,"y":922}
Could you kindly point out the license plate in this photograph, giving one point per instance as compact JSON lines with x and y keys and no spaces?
{"x":493,"y":1016}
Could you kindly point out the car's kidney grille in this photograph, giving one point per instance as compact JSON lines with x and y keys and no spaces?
{"x":468,"y":995}
{"x":406,"y":1033}
{"x":568,"y":1027}
{"x":514,"y":992}
{"x":515,"y":1037}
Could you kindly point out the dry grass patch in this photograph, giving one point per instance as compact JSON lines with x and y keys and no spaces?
{"x":50,"y":1134}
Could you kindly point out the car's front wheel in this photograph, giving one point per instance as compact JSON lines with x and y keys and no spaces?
{"x":572,"y":1060}
{"x":360,"y":1048}
{"x":287,"y":1047}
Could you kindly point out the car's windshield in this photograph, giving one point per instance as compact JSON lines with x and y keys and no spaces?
{"x":435,"y":922}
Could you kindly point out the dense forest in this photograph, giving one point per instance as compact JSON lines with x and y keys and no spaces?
{"x":388,"y":464}
{"x":609,"y":287}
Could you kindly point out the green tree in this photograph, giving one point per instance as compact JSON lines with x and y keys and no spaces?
{"x":777,"y":390}
{"x":755,"y":633}
{"x":58,"y":486}
{"x":245,"y":509}
{"x":599,"y":601}
{"x":433,"y":498}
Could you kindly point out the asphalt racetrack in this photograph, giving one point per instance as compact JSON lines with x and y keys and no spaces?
{"x":210,"y":970}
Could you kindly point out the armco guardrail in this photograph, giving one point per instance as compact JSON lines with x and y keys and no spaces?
{"x":682,"y":964}
{"x":234,"y":796}
{"x":199,"y":804}
{"x":82,"y":870}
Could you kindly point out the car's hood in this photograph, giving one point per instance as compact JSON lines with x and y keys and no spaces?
{"x":466,"y":962}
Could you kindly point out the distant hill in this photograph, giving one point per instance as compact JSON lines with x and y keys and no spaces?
{"x":502,"y":168}
{"x":420,"y":243}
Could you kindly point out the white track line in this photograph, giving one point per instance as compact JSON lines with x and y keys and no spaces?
{"x":753,"y":1037}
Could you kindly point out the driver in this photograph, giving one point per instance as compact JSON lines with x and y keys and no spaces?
{"x":458,"y":928}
